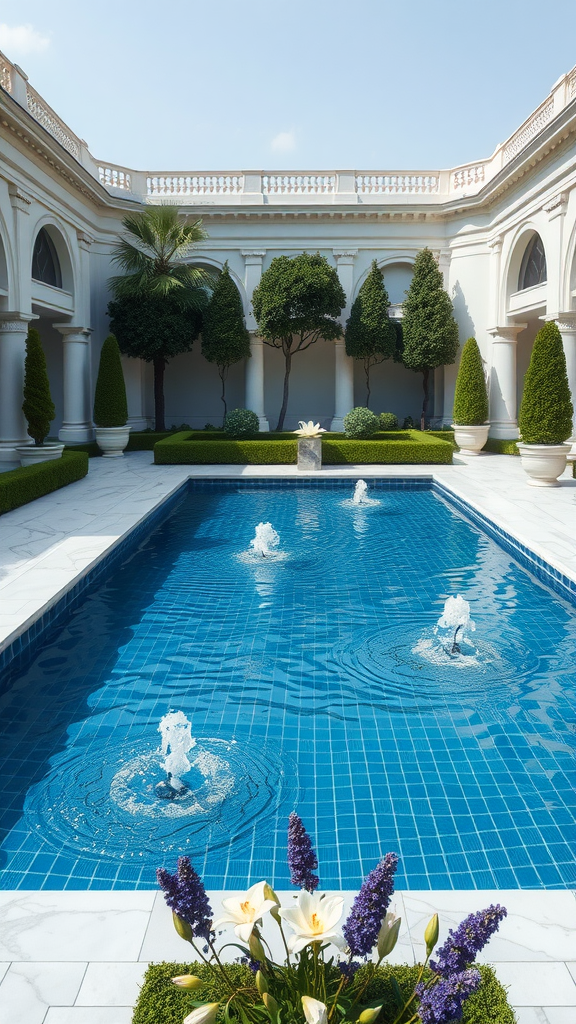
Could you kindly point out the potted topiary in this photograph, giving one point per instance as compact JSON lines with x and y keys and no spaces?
{"x":110,"y":406}
{"x":470,"y":402}
{"x":38,"y":406}
{"x":360,"y":423}
{"x":545,"y":419}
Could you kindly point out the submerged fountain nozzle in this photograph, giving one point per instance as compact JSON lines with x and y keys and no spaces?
{"x":455,"y":649}
{"x":166,"y":791}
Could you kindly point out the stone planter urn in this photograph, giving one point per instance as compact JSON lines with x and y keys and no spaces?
{"x":471,"y":439}
{"x":309,"y":445}
{"x":543,"y":463}
{"x":29,"y":454}
{"x":112,"y":441}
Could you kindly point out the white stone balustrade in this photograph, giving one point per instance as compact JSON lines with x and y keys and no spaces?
{"x":49,"y":120}
{"x":535,"y":123}
{"x":468,"y":177}
{"x":397,"y":184}
{"x":298,"y":184}
{"x":5,"y":74}
{"x":113,"y":177}
{"x":194,"y":184}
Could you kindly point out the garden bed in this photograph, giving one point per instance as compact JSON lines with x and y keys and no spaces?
{"x":24,"y":484}
{"x":402,"y":447}
{"x":161,"y":1002}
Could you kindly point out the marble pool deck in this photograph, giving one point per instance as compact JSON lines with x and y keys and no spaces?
{"x":78,"y":957}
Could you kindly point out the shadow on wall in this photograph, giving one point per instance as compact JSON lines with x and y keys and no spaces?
{"x":467,"y":328}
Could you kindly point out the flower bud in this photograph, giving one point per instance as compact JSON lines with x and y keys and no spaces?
{"x":188,"y":981}
{"x":261,"y":983}
{"x":203,"y":1014}
{"x":182,"y":927}
{"x":269,"y":894}
{"x":256,"y":948}
{"x":271,"y":1005}
{"x":388,"y":935}
{"x":368,"y":1016}
{"x":431,"y":934}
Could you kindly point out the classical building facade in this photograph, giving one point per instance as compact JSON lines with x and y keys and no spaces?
{"x":503,"y":229}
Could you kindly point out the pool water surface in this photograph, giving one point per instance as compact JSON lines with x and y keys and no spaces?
{"x":314,"y":680}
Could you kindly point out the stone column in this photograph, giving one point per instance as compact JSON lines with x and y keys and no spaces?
{"x":13,"y":430}
{"x":77,"y":420}
{"x":343,"y":364}
{"x":556,"y":210}
{"x":254,"y":387}
{"x":503,"y":402}
{"x":567,"y":327}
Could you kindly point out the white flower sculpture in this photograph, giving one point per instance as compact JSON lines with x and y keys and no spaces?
{"x":309,"y":429}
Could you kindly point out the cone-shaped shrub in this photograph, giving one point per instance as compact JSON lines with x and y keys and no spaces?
{"x":38,"y":406}
{"x":225,"y":339}
{"x":470,"y":397}
{"x":546,"y":408}
{"x":110,"y":406}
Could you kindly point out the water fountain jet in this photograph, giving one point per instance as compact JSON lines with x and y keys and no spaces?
{"x":456,"y":616}
{"x":265,"y":540}
{"x":177,"y":740}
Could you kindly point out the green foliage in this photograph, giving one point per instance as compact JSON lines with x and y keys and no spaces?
{"x":470,"y":396}
{"x":411,"y":447}
{"x":225,"y":339}
{"x":110,"y":406}
{"x":501,"y":446}
{"x":387,"y":421}
{"x":546,"y":408}
{"x":241,"y":423}
{"x":360,"y":422}
{"x":161,"y":1002}
{"x":370,"y":334}
{"x":38,"y":406}
{"x":184,"y":449}
{"x":430,"y":332}
{"x":152,"y":328}
{"x":443,"y":435}
{"x":19,"y":486}
{"x":296,"y":303}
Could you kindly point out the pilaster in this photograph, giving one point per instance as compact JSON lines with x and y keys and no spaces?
{"x":503,"y":384}
{"x":343,"y":364}
{"x":13,"y":427}
{"x":254,"y":384}
{"x":567,"y":327}
{"x":556,"y":210}
{"x":77,"y":419}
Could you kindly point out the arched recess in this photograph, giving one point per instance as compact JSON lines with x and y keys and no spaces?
{"x":525,"y":276}
{"x":57,"y":246}
{"x":569,"y":274}
{"x":217,"y":265}
{"x":6,"y":275}
{"x":397,"y":270}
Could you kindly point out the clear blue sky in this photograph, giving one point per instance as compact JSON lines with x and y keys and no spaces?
{"x":287,"y":84}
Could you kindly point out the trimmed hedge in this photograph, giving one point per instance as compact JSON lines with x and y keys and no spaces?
{"x":470,"y":396}
{"x":408,"y":447}
{"x":19,"y":486}
{"x":545,"y":415}
{"x":161,"y":1002}
{"x":500,"y":446}
{"x":110,"y":406}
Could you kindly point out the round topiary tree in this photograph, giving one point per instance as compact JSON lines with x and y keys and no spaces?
{"x":430,"y":332}
{"x":225,"y":339}
{"x":370,"y":334}
{"x":241,"y":423}
{"x":470,"y":396}
{"x":546,"y":408}
{"x":388,"y":421}
{"x":110,"y":406}
{"x":38,"y":406}
{"x":360,"y":423}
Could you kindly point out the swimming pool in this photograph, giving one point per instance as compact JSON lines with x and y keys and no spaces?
{"x":309,"y":683}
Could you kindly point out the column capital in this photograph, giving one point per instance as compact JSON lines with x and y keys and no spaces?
{"x":566,"y":321}
{"x":507,"y":334}
{"x":16,"y":323}
{"x":495,"y":244}
{"x":556,"y":206}
{"x":84,"y":240}
{"x":253,"y":257}
{"x":345,"y":256}
{"x":77,"y":334}
{"x":19,"y":199}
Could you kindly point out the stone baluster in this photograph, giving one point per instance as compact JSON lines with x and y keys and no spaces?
{"x":255,"y":365}
{"x":567,"y":327}
{"x":503,"y":385}
{"x":77,"y":419}
{"x":343,"y":364}
{"x":13,"y":431}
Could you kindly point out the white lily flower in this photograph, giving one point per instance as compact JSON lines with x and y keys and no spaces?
{"x":388,"y":935}
{"x":314,"y":920}
{"x":245,"y":911}
{"x":202,"y":1014}
{"x":314,"y":1011}
{"x":309,"y":429}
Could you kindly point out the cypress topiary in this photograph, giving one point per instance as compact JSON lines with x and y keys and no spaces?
{"x":546,"y":408}
{"x":225,"y":339}
{"x":370,"y":334}
{"x":430,"y":332}
{"x":38,"y":406}
{"x":110,"y":406}
{"x":470,"y":396}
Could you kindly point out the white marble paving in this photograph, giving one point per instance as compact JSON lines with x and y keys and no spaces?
{"x":107,"y":984}
{"x":29,"y":989}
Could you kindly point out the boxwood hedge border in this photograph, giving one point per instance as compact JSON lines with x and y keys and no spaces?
{"x":26,"y":483}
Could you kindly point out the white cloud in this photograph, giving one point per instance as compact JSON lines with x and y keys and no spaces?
{"x":21,"y":40}
{"x":284,"y":142}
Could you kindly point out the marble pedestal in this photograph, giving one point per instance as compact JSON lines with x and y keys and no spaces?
{"x":310,"y":453}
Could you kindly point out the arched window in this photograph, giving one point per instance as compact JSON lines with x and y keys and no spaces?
{"x":45,"y":262}
{"x":533,"y":269}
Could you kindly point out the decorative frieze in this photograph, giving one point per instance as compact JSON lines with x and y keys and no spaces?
{"x":537,"y":122}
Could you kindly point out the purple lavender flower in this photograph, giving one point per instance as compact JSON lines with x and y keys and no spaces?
{"x":186,"y":896}
{"x":442,"y":1001}
{"x":470,"y":937}
{"x":302,"y":860}
{"x":370,"y":906}
{"x":349,"y":968}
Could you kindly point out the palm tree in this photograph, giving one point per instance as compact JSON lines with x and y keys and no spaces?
{"x":153,"y":257}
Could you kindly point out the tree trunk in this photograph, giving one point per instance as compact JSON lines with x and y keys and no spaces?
{"x":288,"y":367}
{"x":159,"y":365}
{"x":367,"y":372}
{"x":425,"y":385}
{"x":223,"y":373}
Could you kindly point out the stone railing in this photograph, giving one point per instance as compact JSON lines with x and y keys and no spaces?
{"x":468,"y":177}
{"x":194,"y":184}
{"x":298,"y":184}
{"x":397,"y":184}
{"x":5,"y":74}
{"x":535,"y":123}
{"x":49,"y":120}
{"x":113,"y":177}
